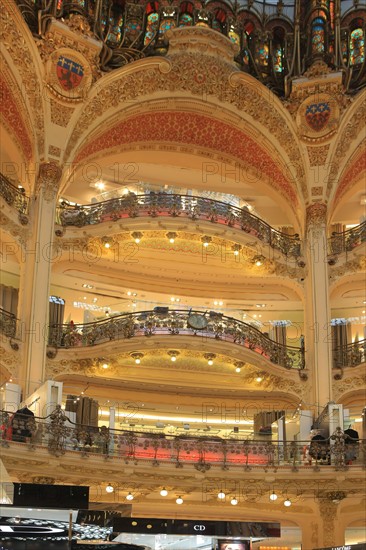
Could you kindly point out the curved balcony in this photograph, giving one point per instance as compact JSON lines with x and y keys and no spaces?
{"x":351,"y":355}
{"x":8,"y":323}
{"x":59,"y":435}
{"x":346,"y":241}
{"x":14,"y":197}
{"x":168,"y":205}
{"x":164,"y":321}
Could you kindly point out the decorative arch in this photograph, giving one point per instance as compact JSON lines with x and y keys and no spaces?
{"x":20,"y":48}
{"x":185,"y":128}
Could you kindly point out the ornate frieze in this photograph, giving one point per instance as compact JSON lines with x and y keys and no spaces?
{"x":49,"y":179}
{"x":316,"y":214}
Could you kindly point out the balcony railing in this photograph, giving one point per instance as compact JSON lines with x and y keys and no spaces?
{"x":8,"y":323}
{"x":59,"y":435}
{"x":169,"y":205}
{"x":347,"y":241}
{"x":15,"y":198}
{"x":164,"y":321}
{"x":350,"y":355}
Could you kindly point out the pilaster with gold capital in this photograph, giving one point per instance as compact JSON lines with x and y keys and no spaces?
{"x":35,"y":273}
{"x":317,"y":306}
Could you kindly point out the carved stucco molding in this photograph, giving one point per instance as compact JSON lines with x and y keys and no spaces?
{"x":202,"y":75}
{"x":49,"y":179}
{"x":23,"y":59}
{"x":346,"y":385}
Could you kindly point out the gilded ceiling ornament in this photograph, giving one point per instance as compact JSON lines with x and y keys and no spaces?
{"x":318,"y":155}
{"x":316,"y":214}
{"x":49,"y":179}
{"x":17,"y":47}
{"x":69,"y":75}
{"x":318,"y":118}
{"x":60,"y":114}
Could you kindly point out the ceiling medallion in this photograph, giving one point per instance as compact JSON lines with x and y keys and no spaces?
{"x":69,"y":75}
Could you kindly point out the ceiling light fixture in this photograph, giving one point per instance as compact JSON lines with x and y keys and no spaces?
{"x":137,"y":356}
{"x":171,"y":236}
{"x":236,"y":249}
{"x":287,"y":502}
{"x":109,"y":488}
{"x":205,"y":240}
{"x":221,"y":495}
{"x":259,"y":379}
{"x":234,"y":501}
{"x":129,"y":496}
{"x":210,"y":357}
{"x":258,"y":260}
{"x":106,"y":242}
{"x":273,"y":496}
{"x":163,"y":492}
{"x":173,"y":354}
{"x":137,"y":236}
{"x":179,"y":500}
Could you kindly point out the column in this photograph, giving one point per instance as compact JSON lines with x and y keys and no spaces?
{"x":35,"y":272}
{"x":317,"y":308}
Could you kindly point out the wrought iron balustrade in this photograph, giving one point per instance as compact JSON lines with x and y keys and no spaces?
{"x":8,"y":323}
{"x":149,"y":323}
{"x":171,"y":205}
{"x":15,"y":198}
{"x":351,"y":355}
{"x":346,"y":241}
{"x":59,"y":435}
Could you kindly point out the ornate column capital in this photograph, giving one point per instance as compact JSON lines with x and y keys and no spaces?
{"x":48,"y":179}
{"x":316,"y":214}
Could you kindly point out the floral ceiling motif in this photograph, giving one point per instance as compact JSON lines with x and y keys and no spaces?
{"x":194,"y":129}
{"x":354,"y":171}
{"x":10,"y":111}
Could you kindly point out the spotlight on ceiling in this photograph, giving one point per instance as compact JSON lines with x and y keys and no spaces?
{"x":236,"y":249}
{"x":137,"y":356}
{"x":258,"y":260}
{"x":107,"y":242}
{"x":137,"y":236}
{"x":171,"y":236}
{"x":210,"y":357}
{"x":173,"y":354}
{"x":205,"y":240}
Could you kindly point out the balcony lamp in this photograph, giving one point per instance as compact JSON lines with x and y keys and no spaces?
{"x":137,"y":236}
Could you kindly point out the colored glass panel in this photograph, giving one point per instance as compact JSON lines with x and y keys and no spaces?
{"x":115,"y":32}
{"x":133,"y":29}
{"x":234,"y":37}
{"x":318,"y":36}
{"x":357,"y":47}
{"x":261,"y":53}
{"x":246,"y":57}
{"x":152,"y":26}
{"x":278,"y":65}
{"x":166,"y":25}
{"x":216,"y":25}
{"x":186,"y":20}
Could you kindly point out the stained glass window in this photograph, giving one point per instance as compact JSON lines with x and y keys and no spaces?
{"x":261,"y":53}
{"x":185,"y":20}
{"x":356,"y":47}
{"x":318,"y":36}
{"x":115,"y":32}
{"x":216,"y":25}
{"x":234,"y":37}
{"x":133,"y":29}
{"x":278,"y":65}
{"x":166,"y":25}
{"x":152,"y":26}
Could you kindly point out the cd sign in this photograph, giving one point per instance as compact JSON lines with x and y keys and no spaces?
{"x":199,"y":527}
